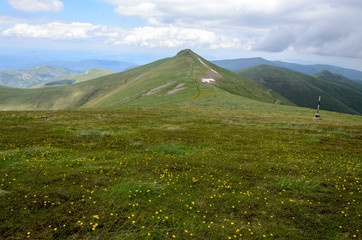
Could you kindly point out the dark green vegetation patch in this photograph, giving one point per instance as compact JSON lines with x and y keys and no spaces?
{"x":338,"y":93}
{"x":60,"y":82}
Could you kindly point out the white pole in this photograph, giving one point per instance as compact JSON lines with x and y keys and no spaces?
{"x":317,"y":116}
{"x":319,"y":103}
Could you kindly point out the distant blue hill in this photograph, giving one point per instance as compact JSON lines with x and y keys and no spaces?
{"x":23,"y":63}
{"x":243,"y":63}
{"x":18,"y":63}
{"x":84,"y":65}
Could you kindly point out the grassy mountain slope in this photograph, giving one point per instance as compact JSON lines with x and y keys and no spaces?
{"x":170,"y":81}
{"x":74,"y":78}
{"x":187,"y":68}
{"x":338,"y":79}
{"x":304,"y":90}
{"x":32,"y":76}
{"x":243,"y":63}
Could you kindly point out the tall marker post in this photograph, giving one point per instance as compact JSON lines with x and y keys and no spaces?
{"x":317,"y":116}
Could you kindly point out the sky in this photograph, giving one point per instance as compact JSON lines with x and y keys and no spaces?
{"x":140,"y":31}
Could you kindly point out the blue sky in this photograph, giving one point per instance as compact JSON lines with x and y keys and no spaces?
{"x":139,"y":31}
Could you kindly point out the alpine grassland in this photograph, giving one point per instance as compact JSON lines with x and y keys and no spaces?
{"x":250,"y":170}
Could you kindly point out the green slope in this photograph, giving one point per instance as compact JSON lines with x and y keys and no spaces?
{"x":170,"y":81}
{"x":186,"y":69}
{"x":74,"y":78}
{"x":338,"y":79}
{"x":304,"y":90}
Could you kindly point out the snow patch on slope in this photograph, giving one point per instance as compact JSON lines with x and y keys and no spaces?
{"x":214,"y":71}
{"x":203,"y":63}
{"x":208,"y":66}
{"x":207,"y":80}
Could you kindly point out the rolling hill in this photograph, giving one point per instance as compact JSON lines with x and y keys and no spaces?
{"x":183,"y":80}
{"x":243,"y":63}
{"x":32,"y":76}
{"x":338,"y":79}
{"x":74,"y":78}
{"x":303,"y":90}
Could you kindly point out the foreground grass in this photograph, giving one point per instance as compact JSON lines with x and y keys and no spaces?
{"x":185,"y":174}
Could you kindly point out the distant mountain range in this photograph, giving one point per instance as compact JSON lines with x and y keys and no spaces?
{"x":17,"y":63}
{"x":75,"y":78}
{"x":46,"y":76}
{"x":85,"y":65}
{"x":243,"y":63}
{"x":27,"y":75}
{"x":32,"y":76}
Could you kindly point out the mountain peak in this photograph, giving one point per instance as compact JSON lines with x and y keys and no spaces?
{"x":39,"y":67}
{"x":185,"y":52}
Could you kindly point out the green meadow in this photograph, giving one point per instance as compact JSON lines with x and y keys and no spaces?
{"x":250,"y":172}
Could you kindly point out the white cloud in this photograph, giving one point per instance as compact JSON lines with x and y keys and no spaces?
{"x":189,"y":10}
{"x":169,"y":36}
{"x":37,"y":5}
{"x":57,"y":30}
{"x":172,"y":36}
{"x":329,"y":27}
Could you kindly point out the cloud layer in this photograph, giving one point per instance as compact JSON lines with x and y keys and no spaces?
{"x":326,"y":27}
{"x":37,"y":5}
{"x":169,"y":36}
{"x":172,"y":36}
{"x":63,"y":31}
{"x":330,"y":27}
